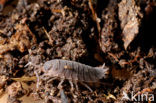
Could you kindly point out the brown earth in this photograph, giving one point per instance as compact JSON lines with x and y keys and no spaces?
{"x":119,"y":33}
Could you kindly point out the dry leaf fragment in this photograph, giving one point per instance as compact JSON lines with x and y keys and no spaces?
{"x":129,"y":14}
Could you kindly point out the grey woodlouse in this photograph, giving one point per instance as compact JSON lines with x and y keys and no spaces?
{"x":73,"y":71}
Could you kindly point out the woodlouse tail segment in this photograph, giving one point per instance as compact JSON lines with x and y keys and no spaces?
{"x":106,"y":72}
{"x":103,"y":66}
{"x":103,"y":72}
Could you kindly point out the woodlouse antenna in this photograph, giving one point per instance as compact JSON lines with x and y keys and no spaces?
{"x":38,"y":79}
{"x":31,"y":64}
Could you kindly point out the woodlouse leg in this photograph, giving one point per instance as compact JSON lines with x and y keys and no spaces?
{"x":60,"y":84}
{"x":38,"y":79}
{"x":86,"y":86}
{"x":51,"y":79}
{"x":72,"y":86}
{"x":64,"y":98}
{"x":77,"y":88}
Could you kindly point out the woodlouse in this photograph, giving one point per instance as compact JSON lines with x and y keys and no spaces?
{"x":73,"y":71}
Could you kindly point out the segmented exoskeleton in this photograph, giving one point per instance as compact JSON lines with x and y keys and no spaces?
{"x":74,"y":71}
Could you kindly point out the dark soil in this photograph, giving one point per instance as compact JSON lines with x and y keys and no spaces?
{"x":119,"y":33}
